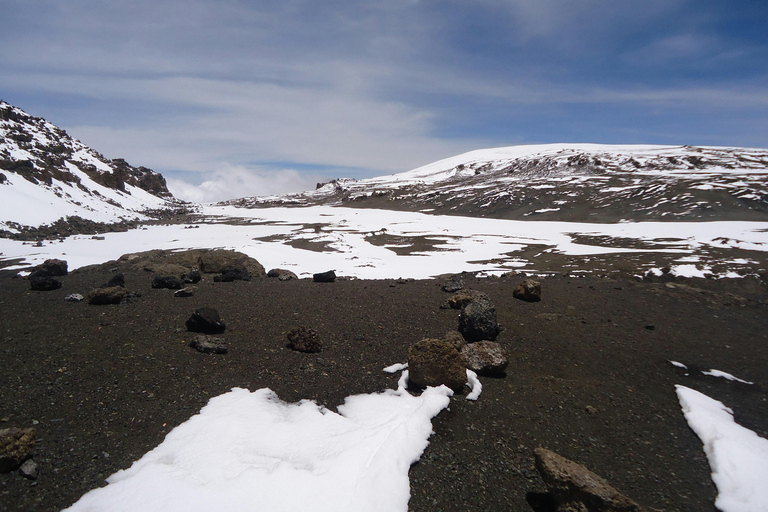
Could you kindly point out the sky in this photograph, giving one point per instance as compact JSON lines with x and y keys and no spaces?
{"x":236,"y":98}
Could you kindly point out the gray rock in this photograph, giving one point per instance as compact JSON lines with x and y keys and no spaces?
{"x":206,"y":321}
{"x":529,"y":291}
{"x":74,"y":297}
{"x":433,"y":362}
{"x":477,"y":321}
{"x":485,"y":358}
{"x":30,"y":469}
{"x":208,"y":344}
{"x":304,"y":339}
{"x":453,"y":284}
{"x":16,"y":446}
{"x":574,"y":488}
{"x":104,"y":296}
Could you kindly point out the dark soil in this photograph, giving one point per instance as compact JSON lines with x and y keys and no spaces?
{"x":588,"y":377}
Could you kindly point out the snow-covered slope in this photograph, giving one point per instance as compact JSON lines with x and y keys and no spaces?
{"x":46,"y":175}
{"x":568,"y":182}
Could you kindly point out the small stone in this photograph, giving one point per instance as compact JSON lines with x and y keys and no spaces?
{"x":73,"y":297}
{"x":324,"y":277}
{"x":591,"y":410}
{"x":650,"y":327}
{"x":208,"y":344}
{"x":304,"y":339}
{"x":206,"y":321}
{"x":529,"y":291}
{"x":30,"y":469}
{"x":184,"y":292}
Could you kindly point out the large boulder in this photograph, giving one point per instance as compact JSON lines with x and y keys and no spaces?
{"x":179,"y":263}
{"x":433,"y":362}
{"x":282,"y":274}
{"x":104,"y":296}
{"x":51,"y":268}
{"x":217,"y":260}
{"x":485,"y":358}
{"x":324,"y":277}
{"x":206,"y":321}
{"x":16,"y":446}
{"x":477,"y":321}
{"x":574,"y":488}
{"x":529,"y":291}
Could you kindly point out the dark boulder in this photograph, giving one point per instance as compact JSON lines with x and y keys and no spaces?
{"x":529,"y":291}
{"x":485,"y":358}
{"x":324,"y":277}
{"x":206,"y":321}
{"x":191,"y":277}
{"x":51,"y":268}
{"x":304,"y":339}
{"x":575,"y":488}
{"x":477,"y":321}
{"x":208,"y":344}
{"x":44,"y":283}
{"x":230,"y":274}
{"x":109,"y":295}
{"x":453,"y":284}
{"x":433,"y":362}
{"x":217,"y":260}
{"x":16,"y":446}
{"x":117,"y":280}
{"x":169,"y":282}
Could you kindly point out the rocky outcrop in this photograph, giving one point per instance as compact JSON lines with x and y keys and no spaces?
{"x":574,"y":488}
{"x":207,"y":321}
{"x":304,"y":339}
{"x":433,"y":362}
{"x":477,"y":321}
{"x":485,"y":358}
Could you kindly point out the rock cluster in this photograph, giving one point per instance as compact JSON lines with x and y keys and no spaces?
{"x":42,"y":278}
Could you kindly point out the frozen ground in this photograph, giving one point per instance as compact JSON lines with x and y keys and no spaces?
{"x":375,"y":244}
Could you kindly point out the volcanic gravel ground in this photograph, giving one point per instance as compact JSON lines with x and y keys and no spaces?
{"x":588,"y":377}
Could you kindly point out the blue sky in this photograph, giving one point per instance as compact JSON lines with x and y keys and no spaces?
{"x":234,"y":98}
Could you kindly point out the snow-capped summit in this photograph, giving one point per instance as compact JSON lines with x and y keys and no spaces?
{"x":46,"y":175}
{"x":567,"y":182}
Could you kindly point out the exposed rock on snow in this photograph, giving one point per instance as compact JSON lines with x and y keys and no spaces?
{"x":574,"y":488}
{"x":433,"y":362}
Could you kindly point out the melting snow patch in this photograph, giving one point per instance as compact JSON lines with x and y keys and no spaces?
{"x":737,"y":456}
{"x":718,"y":373}
{"x":679,"y":365}
{"x":246,"y":451}
{"x":474,"y":383}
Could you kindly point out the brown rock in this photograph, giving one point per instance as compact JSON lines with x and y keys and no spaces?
{"x":282,"y":274}
{"x":433,"y":362}
{"x":464,"y":297}
{"x":15,"y":447}
{"x":455,"y":338}
{"x":208,"y":344}
{"x":574,"y":488}
{"x":529,"y":291}
{"x":304,"y":339}
{"x":109,"y":295}
{"x":485,"y":358}
{"x":218,"y":260}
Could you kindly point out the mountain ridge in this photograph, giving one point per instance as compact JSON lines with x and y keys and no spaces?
{"x":47,"y":176}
